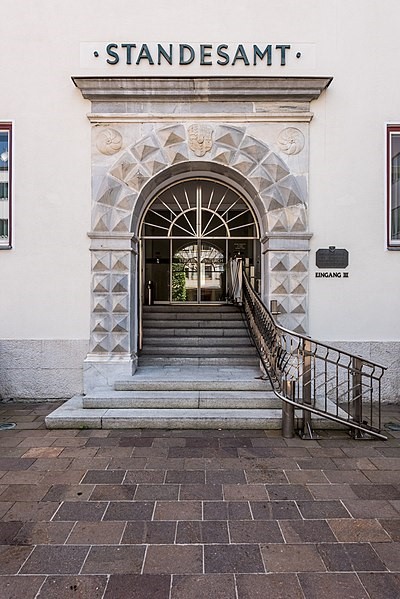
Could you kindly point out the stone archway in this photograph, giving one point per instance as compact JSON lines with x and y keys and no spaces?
{"x":253,"y":129}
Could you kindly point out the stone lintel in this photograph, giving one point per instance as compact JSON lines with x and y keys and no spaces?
{"x":202,"y":89}
{"x":167,"y":116}
{"x":281,"y":242}
{"x":113,"y":241}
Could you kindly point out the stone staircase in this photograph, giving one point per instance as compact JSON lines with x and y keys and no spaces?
{"x":197,"y":369}
{"x":196,"y":335}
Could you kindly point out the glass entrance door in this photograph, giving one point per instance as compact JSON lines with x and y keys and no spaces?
{"x":198,"y":272}
{"x":189,"y":232}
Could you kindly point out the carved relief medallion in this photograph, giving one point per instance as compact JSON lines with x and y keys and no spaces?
{"x":109,"y":141}
{"x":291,"y":140}
{"x":200,"y":139}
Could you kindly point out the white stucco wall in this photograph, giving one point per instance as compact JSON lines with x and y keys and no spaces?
{"x":46,"y":276}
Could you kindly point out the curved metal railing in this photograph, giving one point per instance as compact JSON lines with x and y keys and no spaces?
{"x":313,"y":376}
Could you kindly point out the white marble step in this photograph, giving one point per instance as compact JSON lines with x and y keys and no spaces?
{"x":231,"y":361}
{"x":156,"y":331}
{"x":196,"y":341}
{"x":160,"y":384}
{"x":238,"y":400}
{"x":71,"y":414}
{"x":197,"y":351}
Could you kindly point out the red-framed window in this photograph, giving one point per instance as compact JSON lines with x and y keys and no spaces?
{"x":393,"y":185}
{"x":5,"y":185}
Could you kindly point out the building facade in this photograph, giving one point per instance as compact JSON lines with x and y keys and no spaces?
{"x":136,"y":160}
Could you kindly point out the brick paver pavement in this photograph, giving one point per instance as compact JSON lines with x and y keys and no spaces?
{"x":152,"y":514}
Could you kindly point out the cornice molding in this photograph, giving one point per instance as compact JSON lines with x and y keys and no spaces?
{"x":201,"y":89}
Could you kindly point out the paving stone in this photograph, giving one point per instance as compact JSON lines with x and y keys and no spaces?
{"x":43,"y":452}
{"x":106,"y":477}
{"x":376,"y":491}
{"x":8,"y":530}
{"x":392,"y":527}
{"x":358,"y":531}
{"x":274,"y":510}
{"x":127,"y":510}
{"x":82,"y":587}
{"x":364,"y":508}
{"x":18,"y":587}
{"x":226,"y":510}
{"x":96,"y":533}
{"x":146,"y":477}
{"x":332,"y":492}
{"x":376,"y":476}
{"x":381,"y":586}
{"x":15,"y":463}
{"x":315,"y":510}
{"x":255,"y":532}
{"x":331,"y":586}
{"x":266,"y":586}
{"x":328,"y":512}
{"x":80,"y":510}
{"x":240,"y":492}
{"x":303,"y":477}
{"x":207,"y":491}
{"x":24,"y":477}
{"x":202,"y":532}
{"x":218,"y":586}
{"x":344,"y":557}
{"x":389,"y":553}
{"x":309,"y":531}
{"x":126,"y":464}
{"x":121,"y":559}
{"x":113,"y":492}
{"x":43,"y":533}
{"x":136,"y":586}
{"x":265,"y":476}
{"x":232,"y":558}
{"x":143,"y":532}
{"x":292,"y":558}
{"x":30,"y":511}
{"x":225,"y":477}
{"x":380,"y":463}
{"x":157,"y":492}
{"x":12,"y":558}
{"x":136,"y":441}
{"x":186,"y":476}
{"x":179,"y":510}
{"x":174,"y":559}
{"x":283,"y":492}
{"x":347,"y":476}
{"x":69,"y":477}
{"x":316,"y":464}
{"x":55,"y":559}
{"x":51,"y":464}
{"x":68,"y":492}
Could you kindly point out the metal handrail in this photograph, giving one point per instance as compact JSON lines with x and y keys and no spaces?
{"x":313,"y":376}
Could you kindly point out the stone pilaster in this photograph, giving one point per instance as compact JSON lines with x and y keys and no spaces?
{"x":113,"y":336}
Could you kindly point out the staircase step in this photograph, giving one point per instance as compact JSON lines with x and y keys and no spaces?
{"x":193,"y":324}
{"x":225,"y":351}
{"x":194,"y":316}
{"x":135,"y":383}
{"x":197,"y":342}
{"x":195,"y":361}
{"x":239,"y":400}
{"x":71,"y":414}
{"x":190,"y":332}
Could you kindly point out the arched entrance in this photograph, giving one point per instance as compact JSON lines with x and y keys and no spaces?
{"x":253,"y":130}
{"x":188,"y":232}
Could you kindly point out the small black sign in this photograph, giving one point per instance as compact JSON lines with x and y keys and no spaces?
{"x":332,"y":258}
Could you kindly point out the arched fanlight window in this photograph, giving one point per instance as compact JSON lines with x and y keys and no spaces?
{"x":200,"y":209}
